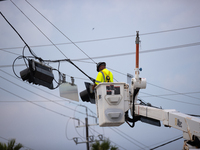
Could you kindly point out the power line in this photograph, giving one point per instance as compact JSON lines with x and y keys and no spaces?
{"x":131,"y":138}
{"x":47,"y":93}
{"x":9,"y":52}
{"x":37,"y":94}
{"x":170,"y":91}
{"x":35,"y":103}
{"x":173,"y":91}
{"x":171,"y":94}
{"x":16,"y":143}
{"x":141,"y":52}
{"x":110,"y":140}
{"x":171,"y":99}
{"x":166,"y":143}
{"x":38,"y":28}
{"x":115,"y":131}
{"x":59,"y":31}
{"x":140,"y":92}
{"x":126,"y":138}
{"x":110,"y":38}
{"x":132,"y":53}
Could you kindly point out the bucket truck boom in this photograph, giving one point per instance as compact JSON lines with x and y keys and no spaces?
{"x":114,"y":100}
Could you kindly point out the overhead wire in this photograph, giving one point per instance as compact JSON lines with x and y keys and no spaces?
{"x":164,"y":141}
{"x":173,"y":94}
{"x":171,"y":99}
{"x":167,"y":143}
{"x":93,"y":80}
{"x":59,"y":30}
{"x":73,"y":42}
{"x":35,"y":103}
{"x":173,"y":91}
{"x":39,"y":29}
{"x":109,"y":139}
{"x":131,"y":137}
{"x":112,"y":38}
{"x":43,"y":96}
{"x":153,"y":33}
{"x":141,"y":52}
{"x":118,"y":130}
{"x":168,"y":98}
{"x":126,"y":138}
{"x":16,"y":143}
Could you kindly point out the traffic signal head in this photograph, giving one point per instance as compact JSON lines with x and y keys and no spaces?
{"x":88,"y":95}
{"x":38,"y":74}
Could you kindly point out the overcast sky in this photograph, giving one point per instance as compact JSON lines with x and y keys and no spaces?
{"x":105,"y":31}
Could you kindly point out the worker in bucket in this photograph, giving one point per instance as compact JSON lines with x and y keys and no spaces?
{"x":104,"y":75}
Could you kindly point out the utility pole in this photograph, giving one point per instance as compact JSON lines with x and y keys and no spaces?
{"x":89,"y":139}
{"x":87,"y":134}
{"x":86,"y":126}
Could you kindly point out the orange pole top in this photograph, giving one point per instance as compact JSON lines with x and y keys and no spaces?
{"x":137,"y":49}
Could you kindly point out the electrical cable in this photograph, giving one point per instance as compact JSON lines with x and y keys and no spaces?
{"x":17,"y":143}
{"x":9,"y":52}
{"x":164,"y":141}
{"x":40,"y":59}
{"x":144,"y":51}
{"x":66,"y":129}
{"x":47,"y":93}
{"x":59,"y":30}
{"x":167,"y":143}
{"x":172,"y":91}
{"x":132,"y":53}
{"x":26,"y":45}
{"x":109,"y":139}
{"x":38,"y":28}
{"x":52,"y":42}
{"x":113,"y":38}
{"x":75,"y":127}
{"x":126,"y":138}
{"x":39,"y":95}
{"x":131,"y":138}
{"x":172,"y":99}
{"x":172,"y":94}
{"x":35,"y":103}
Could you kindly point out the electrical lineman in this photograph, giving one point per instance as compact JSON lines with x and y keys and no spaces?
{"x":104,"y":75}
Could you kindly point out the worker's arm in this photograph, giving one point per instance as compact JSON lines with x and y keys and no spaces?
{"x":94,"y":86}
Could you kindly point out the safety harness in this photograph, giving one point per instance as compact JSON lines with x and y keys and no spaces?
{"x":107,"y":78}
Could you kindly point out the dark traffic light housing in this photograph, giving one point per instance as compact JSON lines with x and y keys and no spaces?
{"x":38,"y":74}
{"x":88,"y":95}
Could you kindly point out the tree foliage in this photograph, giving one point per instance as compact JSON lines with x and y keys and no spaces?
{"x":104,"y":145}
{"x":11,"y":145}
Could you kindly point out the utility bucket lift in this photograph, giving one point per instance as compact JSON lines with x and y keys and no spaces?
{"x":112,"y":100}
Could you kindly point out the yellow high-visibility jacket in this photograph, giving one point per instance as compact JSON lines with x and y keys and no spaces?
{"x":102,"y":76}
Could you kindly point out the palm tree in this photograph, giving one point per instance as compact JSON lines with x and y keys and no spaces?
{"x":105,"y":145}
{"x":10,"y":146}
